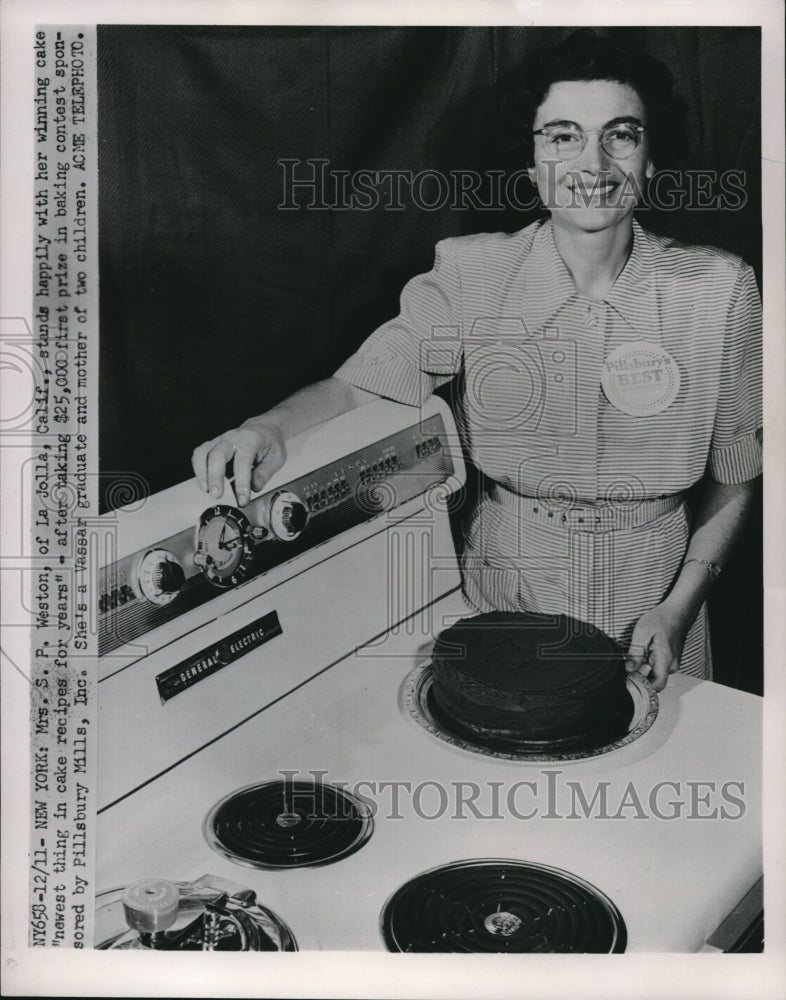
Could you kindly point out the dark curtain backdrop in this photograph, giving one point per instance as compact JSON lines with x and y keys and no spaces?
{"x":216,"y":303}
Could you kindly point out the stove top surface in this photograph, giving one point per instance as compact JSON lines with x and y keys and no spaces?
{"x":667,"y":827}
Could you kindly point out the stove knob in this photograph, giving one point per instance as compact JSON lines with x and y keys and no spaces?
{"x":160,"y":577}
{"x":151,"y":905}
{"x":288,"y":516}
{"x":169,"y":577}
{"x":294,"y":518}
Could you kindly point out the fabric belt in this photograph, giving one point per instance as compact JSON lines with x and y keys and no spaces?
{"x":586,"y":517}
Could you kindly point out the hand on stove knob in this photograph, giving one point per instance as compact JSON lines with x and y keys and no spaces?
{"x":256,"y":453}
{"x":257,"y":446}
{"x":656,"y":644}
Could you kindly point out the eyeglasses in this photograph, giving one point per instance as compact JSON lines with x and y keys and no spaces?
{"x":567,"y":140}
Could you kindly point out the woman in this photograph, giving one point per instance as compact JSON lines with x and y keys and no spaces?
{"x":604,"y":372}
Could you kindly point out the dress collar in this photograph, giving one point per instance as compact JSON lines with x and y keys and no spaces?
{"x":550,"y":283}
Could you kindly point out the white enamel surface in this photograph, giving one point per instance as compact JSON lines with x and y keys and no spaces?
{"x":324,"y":611}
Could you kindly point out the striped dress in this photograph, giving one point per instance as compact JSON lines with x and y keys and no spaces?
{"x":585,"y":513}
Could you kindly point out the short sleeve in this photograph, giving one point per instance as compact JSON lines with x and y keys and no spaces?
{"x":407,"y":358}
{"x":736,"y":448}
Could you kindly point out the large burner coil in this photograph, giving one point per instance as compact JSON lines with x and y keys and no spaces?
{"x":501,"y":906}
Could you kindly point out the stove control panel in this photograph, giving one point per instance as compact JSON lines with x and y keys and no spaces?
{"x":229,"y":546}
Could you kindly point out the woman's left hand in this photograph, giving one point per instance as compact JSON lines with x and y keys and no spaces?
{"x":656,"y":644}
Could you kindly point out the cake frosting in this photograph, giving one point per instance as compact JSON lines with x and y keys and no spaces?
{"x":516,"y":678}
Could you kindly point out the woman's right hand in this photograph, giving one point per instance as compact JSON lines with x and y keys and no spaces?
{"x":257,"y":447}
{"x":256,"y":452}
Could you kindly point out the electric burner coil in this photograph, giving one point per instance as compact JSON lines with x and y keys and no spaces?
{"x":288,"y":824}
{"x":501,"y":906}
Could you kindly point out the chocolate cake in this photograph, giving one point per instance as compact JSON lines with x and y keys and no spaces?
{"x":530,"y":681}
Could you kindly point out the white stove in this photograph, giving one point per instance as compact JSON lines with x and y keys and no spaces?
{"x":298,"y":677}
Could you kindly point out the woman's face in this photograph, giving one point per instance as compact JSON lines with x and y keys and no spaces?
{"x":594,"y":191}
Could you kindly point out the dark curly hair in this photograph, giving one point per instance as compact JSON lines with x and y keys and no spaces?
{"x":585,"y":55}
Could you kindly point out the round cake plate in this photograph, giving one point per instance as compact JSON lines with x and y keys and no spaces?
{"x":414,"y":703}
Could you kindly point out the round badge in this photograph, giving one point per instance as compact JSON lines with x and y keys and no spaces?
{"x":640,"y":378}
